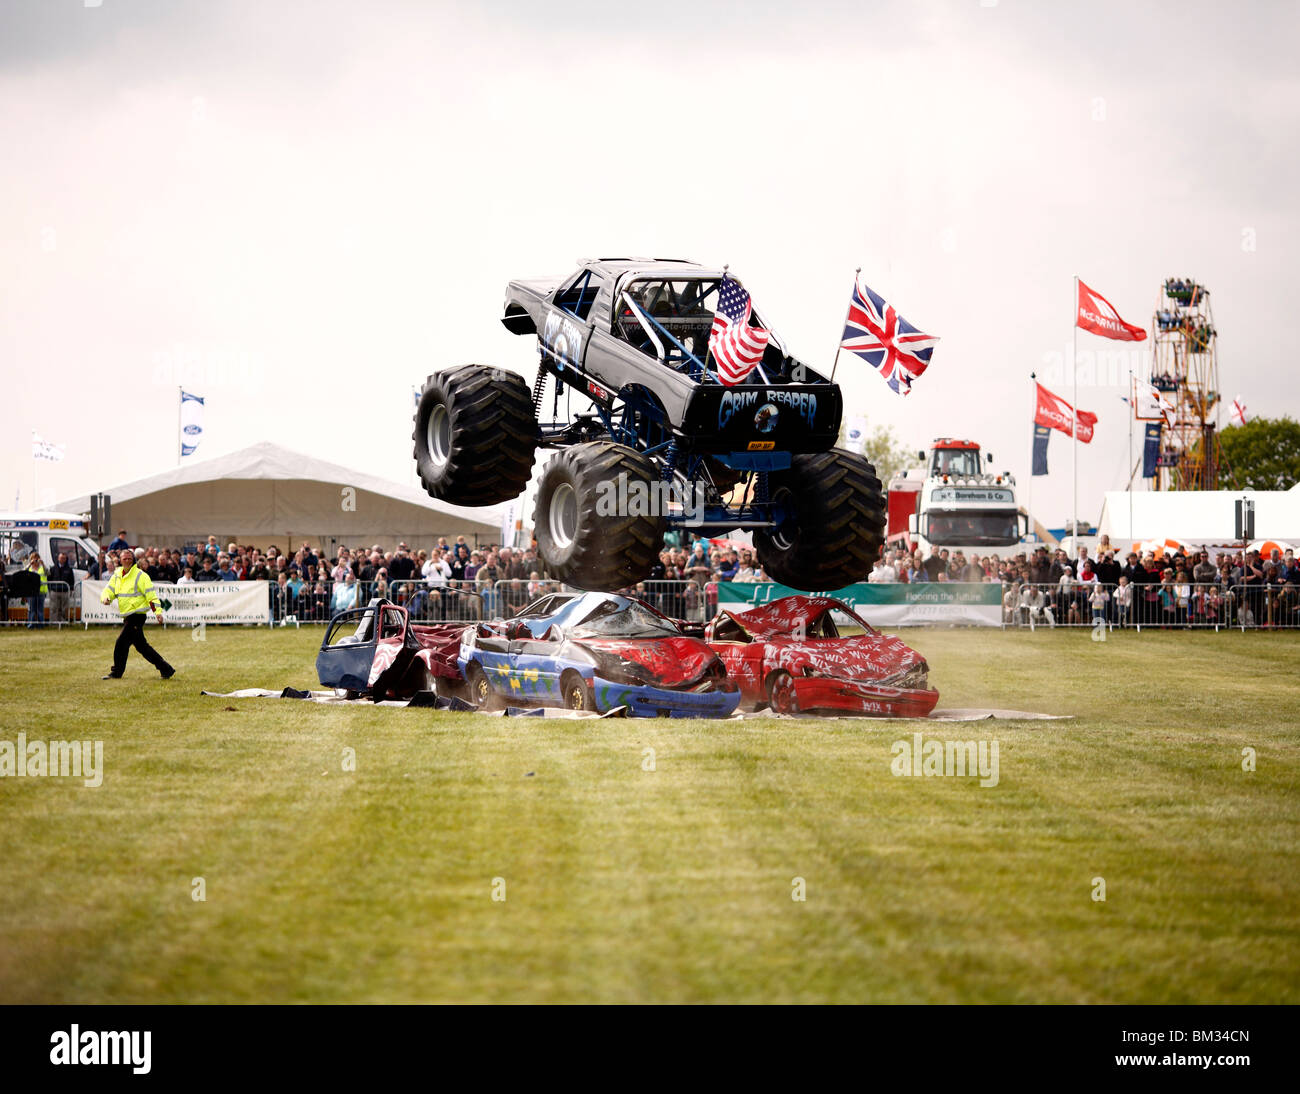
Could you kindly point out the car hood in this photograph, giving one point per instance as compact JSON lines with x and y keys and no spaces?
{"x":669,"y":661}
{"x":873,"y":658}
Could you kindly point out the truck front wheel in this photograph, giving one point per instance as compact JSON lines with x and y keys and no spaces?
{"x":833,"y":525}
{"x":475,"y":435}
{"x":596,"y":521}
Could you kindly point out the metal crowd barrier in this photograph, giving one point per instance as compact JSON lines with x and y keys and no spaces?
{"x":471,"y":601}
{"x":1026,"y":605}
{"x":1163,"y":605}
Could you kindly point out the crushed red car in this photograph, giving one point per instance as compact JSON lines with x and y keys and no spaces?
{"x":791,"y":656}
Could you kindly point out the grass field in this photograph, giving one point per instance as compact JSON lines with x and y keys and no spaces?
{"x":676,"y":884}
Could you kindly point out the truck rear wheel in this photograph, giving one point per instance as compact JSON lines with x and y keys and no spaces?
{"x":834,"y":525}
{"x":475,"y":435}
{"x":594,"y":520}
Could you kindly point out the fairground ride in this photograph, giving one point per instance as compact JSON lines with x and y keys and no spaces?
{"x":1185,"y":370}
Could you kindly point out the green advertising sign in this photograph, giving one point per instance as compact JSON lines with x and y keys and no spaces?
{"x":890,"y":604}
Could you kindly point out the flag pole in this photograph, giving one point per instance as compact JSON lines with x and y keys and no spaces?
{"x":847,"y":312}
{"x":1074,"y":424}
{"x":1033,"y":430}
{"x":1132,"y":387}
{"x":708,"y":346}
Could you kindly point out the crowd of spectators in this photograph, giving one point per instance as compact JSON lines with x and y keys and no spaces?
{"x":1134,"y":589}
{"x":455,"y":581}
{"x":681,"y":584}
{"x":447,"y":580}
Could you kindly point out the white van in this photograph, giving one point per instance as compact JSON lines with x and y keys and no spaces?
{"x":48,"y":533}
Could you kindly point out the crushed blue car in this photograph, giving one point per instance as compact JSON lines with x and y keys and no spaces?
{"x":598,"y":652}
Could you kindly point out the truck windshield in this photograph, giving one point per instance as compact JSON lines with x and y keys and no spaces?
{"x":956,"y":461}
{"x":981,"y":529}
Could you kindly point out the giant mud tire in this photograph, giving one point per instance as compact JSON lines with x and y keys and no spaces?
{"x":579,"y":540}
{"x":475,"y":435}
{"x":835,"y":525}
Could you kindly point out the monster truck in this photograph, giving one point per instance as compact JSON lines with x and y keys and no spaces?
{"x":657,"y":439}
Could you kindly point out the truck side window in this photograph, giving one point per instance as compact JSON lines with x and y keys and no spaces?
{"x":78,"y":559}
{"x":22,"y":545}
{"x":580,"y":294}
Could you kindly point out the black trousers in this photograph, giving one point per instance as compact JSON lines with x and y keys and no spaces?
{"x":132,"y":634}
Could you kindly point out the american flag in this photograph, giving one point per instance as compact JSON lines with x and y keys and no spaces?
{"x":733,"y":343}
{"x":885,"y":340}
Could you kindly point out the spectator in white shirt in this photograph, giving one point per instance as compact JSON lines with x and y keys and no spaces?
{"x":884,"y":572}
{"x":1034,"y":607}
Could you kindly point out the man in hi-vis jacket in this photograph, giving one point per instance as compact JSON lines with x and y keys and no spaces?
{"x":132,"y":588}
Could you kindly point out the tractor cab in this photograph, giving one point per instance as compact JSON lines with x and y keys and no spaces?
{"x":954,"y":458}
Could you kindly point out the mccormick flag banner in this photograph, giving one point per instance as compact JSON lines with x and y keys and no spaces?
{"x":1055,"y":413}
{"x":1094,"y":313}
{"x":733,"y":343}
{"x":1151,"y":450}
{"x":191,"y":423}
{"x":885,"y":340}
{"x":1042,"y":434}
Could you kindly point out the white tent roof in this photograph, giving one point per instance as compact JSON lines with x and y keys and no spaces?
{"x":1198,"y":516}
{"x":268,"y":491}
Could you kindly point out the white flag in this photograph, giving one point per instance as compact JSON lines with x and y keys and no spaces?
{"x":855,"y":435}
{"x":45,"y":450}
{"x":1237,"y":413}
{"x":508,"y":517}
{"x":1149,"y":403}
{"x":191,"y":423}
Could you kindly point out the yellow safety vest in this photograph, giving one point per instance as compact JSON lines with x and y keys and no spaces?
{"x":45,"y":585}
{"x":133,"y":590}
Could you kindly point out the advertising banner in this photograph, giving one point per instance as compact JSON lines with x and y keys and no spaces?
{"x":185,"y":605}
{"x":891,"y":605}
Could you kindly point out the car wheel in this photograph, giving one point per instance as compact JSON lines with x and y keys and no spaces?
{"x":780,"y":693}
{"x":582,"y":536}
{"x":475,"y":435}
{"x":476,"y":684}
{"x":575,"y":692}
{"x":834,"y":524}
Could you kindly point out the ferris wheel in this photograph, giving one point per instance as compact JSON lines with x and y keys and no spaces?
{"x":1185,"y":371}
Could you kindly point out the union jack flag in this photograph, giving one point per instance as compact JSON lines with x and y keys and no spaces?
{"x":734,"y":344}
{"x":885,"y":340}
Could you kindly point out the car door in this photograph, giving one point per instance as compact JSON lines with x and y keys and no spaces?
{"x":347,"y":651}
{"x":535,"y":671}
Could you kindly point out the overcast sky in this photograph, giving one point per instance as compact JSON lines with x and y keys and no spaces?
{"x":300,"y":208}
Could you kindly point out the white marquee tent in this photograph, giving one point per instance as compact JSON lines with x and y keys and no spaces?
{"x":1201,"y":517}
{"x":267,"y":494}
